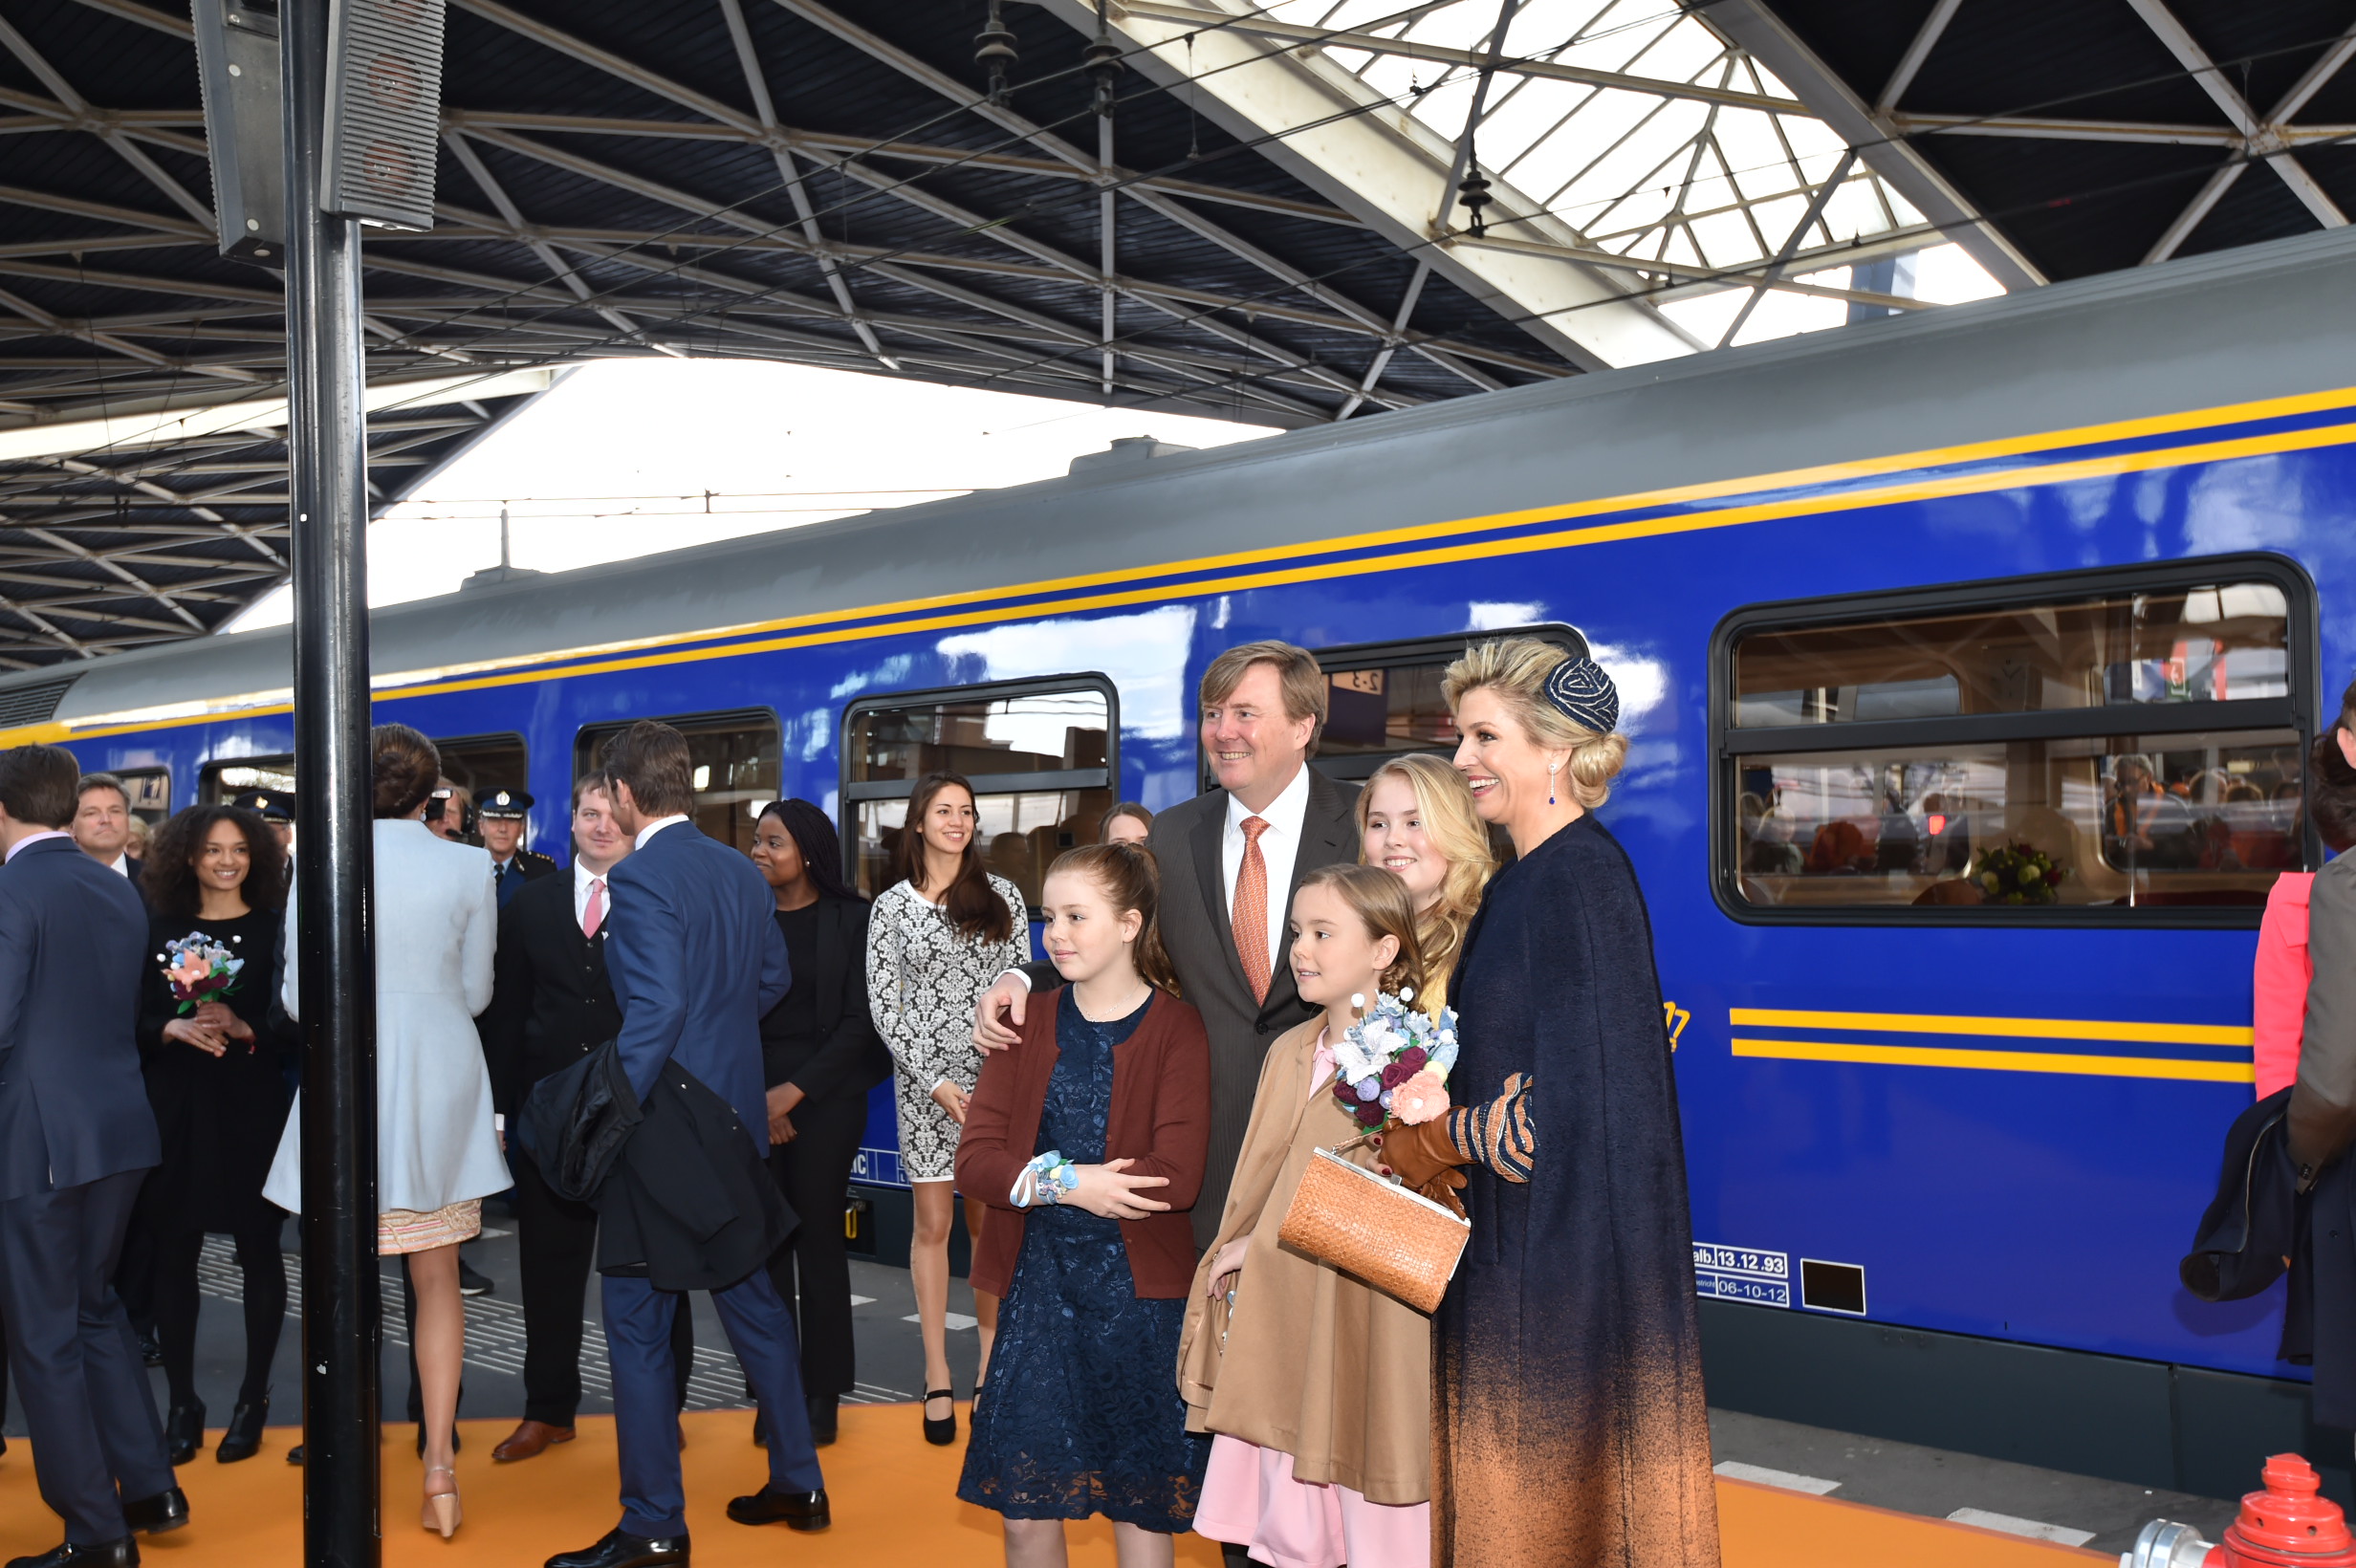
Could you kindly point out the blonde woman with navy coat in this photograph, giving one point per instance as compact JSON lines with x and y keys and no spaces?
{"x":438,"y":1158}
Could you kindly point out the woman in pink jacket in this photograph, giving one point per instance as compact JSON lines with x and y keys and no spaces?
{"x":2279,"y":1003}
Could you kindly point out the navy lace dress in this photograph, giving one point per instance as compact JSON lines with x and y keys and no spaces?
{"x":1081,"y":1413}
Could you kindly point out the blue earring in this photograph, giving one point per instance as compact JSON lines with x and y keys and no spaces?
{"x":1550,"y":781}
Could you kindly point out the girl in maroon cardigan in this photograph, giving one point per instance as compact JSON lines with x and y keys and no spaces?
{"x":1090,"y":1143}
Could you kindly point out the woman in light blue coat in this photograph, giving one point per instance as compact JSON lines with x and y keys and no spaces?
{"x":437,"y":1153}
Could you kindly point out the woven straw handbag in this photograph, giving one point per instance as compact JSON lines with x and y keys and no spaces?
{"x":1399,"y":1242}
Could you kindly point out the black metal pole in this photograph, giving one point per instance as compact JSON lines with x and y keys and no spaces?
{"x":334,"y":946}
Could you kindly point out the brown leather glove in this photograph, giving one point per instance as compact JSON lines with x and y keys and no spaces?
{"x":1423,"y":1157}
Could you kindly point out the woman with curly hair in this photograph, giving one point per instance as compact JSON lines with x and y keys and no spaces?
{"x":216,"y":1074}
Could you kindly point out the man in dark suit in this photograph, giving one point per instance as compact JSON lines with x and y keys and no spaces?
{"x":1231,"y":859}
{"x":552,"y":1004}
{"x":77,"y":1138}
{"x":503,"y":815}
{"x":696,"y":959}
{"x":102,"y":826}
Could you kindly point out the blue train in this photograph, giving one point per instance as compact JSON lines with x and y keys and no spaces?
{"x":1968,"y":659}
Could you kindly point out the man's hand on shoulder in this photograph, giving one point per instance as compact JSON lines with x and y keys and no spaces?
{"x":992,"y":1032}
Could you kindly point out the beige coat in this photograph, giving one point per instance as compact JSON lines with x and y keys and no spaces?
{"x":1317,"y":1364}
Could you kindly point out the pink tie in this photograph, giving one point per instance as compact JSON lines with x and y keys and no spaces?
{"x":594,"y":916}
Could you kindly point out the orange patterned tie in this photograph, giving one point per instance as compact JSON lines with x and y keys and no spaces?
{"x":1251,"y":913}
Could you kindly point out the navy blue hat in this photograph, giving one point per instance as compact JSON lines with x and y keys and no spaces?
{"x":269,"y":804}
{"x":1586,"y":694}
{"x":510,"y":803}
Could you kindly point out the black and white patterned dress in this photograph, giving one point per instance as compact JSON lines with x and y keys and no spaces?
{"x":923,"y":976}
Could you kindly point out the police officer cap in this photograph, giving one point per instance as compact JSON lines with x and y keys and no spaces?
{"x":511,"y":803}
{"x":269,"y":804}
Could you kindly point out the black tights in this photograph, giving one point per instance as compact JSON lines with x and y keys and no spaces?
{"x":176,"y":1297}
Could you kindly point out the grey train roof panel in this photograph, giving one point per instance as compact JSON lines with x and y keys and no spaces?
{"x":2266,"y":321}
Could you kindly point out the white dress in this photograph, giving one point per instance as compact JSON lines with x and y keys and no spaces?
{"x":923,"y":976}
{"x":437,"y":924}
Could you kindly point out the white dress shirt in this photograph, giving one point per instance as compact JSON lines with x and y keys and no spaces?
{"x":1279,"y":848}
{"x":123,"y":863}
{"x":582,"y":876}
{"x":36,"y":838}
{"x":654,"y":827}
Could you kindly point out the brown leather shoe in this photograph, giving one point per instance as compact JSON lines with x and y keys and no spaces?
{"x":528,"y":1438}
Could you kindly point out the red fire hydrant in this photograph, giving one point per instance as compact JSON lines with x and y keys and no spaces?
{"x":2289,"y":1525}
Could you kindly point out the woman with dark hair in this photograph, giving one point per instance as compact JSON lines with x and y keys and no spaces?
{"x":938,"y":937}
{"x":437,"y":1157}
{"x":215,"y":1072}
{"x":820,"y":1056}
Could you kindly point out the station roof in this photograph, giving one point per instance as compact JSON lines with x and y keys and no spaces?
{"x":1269,"y":225}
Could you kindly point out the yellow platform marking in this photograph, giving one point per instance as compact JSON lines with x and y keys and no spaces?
{"x":2000,"y":1062}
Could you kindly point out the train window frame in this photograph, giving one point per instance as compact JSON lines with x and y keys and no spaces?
{"x":584,"y":757}
{"x":131,"y":776}
{"x":208,"y":773}
{"x":523,"y":749}
{"x":1404,"y":653}
{"x":852,"y":795}
{"x":1730,"y":743}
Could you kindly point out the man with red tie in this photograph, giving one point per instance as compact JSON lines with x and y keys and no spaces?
{"x":551,"y":1005}
{"x":1230,"y":859}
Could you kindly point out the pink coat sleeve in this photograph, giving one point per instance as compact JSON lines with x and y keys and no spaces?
{"x":2279,"y":979}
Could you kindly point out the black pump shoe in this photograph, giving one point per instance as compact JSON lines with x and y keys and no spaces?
{"x":183,"y":1431}
{"x":166,"y":1511}
{"x":243,"y":1438}
{"x":943,"y":1432}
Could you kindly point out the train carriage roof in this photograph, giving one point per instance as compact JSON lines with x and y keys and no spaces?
{"x":2205,"y":332}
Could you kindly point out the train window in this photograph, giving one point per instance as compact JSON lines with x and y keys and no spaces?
{"x":483,"y":763}
{"x":220,"y":782}
{"x":735,"y":763}
{"x":2040,"y":748}
{"x":149,"y":792}
{"x":1383,"y":699}
{"x":1041,"y":755}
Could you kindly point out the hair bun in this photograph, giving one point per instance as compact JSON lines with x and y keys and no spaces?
{"x":1586,"y":694}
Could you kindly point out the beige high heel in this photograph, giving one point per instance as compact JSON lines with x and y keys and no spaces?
{"x":442,"y":1510}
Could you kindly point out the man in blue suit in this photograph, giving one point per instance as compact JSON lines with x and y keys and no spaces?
{"x":75,"y":1138}
{"x":696,"y":958}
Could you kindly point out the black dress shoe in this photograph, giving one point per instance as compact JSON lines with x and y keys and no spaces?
{"x":620,"y":1549}
{"x":121,"y":1554}
{"x":794,"y":1510}
{"x":154,"y":1515}
{"x":943,"y":1432}
{"x":183,"y":1431}
{"x":472,"y":1280}
{"x":243,"y":1438}
{"x":294,"y":1454}
{"x":151,"y":1348}
{"x":822,"y":1419}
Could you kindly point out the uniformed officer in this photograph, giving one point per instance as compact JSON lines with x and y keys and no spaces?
{"x":502,"y":815}
{"x":274,"y":807}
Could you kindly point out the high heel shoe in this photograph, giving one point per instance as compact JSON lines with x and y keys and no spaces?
{"x":243,"y":1438}
{"x":442,"y":1510}
{"x":183,"y":1431}
{"x":943,"y":1432}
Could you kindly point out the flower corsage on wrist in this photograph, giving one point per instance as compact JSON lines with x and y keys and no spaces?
{"x":1048,"y":1179}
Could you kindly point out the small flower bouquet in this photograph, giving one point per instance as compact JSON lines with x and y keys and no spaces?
{"x":2018,"y":874}
{"x":1391,"y":1069}
{"x":198,"y":970}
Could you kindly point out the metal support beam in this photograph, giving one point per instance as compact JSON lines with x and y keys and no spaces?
{"x":1926,"y":38}
{"x":332,"y":944}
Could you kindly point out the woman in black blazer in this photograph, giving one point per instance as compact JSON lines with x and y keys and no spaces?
{"x":820,"y":1056}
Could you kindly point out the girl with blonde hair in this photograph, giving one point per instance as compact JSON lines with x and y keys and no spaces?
{"x":1416,"y":820}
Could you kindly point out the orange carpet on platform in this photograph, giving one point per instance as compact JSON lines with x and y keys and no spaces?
{"x":894,"y":1503}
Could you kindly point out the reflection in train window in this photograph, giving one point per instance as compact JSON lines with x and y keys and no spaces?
{"x":2124,"y":740}
{"x":148,"y":791}
{"x":1041,"y":756}
{"x":484,"y":763}
{"x":734,"y":759}
{"x":220,"y":782}
{"x":1383,"y":700}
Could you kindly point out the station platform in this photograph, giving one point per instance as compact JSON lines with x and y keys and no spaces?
{"x":894,"y":1501}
